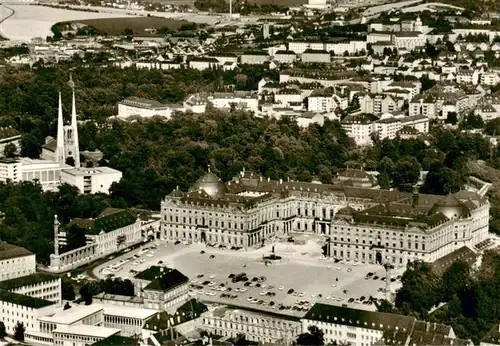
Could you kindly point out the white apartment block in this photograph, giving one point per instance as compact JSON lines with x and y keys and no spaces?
{"x":91,"y":180}
{"x":359,"y":127}
{"x":41,"y":286}
{"x":325,"y":100}
{"x":254,"y":58}
{"x":15,"y":261}
{"x":379,"y":104}
{"x":197,"y":103}
{"x":351,"y":47}
{"x":139,"y":107}
{"x":316,"y":56}
{"x":257,"y":326}
{"x":288,"y":96}
{"x":490,"y":78}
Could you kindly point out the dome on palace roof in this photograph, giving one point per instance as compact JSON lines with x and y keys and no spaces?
{"x":211,"y":184}
{"x":451,"y":207}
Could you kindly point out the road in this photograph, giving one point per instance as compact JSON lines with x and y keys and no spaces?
{"x":4,"y":18}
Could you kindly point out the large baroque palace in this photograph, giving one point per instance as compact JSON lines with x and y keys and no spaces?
{"x":360,"y":221}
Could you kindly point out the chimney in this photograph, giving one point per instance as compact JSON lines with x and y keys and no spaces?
{"x":268,"y":179}
{"x":281,"y":181}
{"x":260,"y":178}
{"x":427,"y":326}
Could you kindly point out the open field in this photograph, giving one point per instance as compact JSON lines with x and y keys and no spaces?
{"x":313,"y":279}
{"x":30,"y":21}
{"x":115,"y":26}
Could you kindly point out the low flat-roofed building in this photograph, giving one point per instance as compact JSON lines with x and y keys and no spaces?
{"x":82,"y":335}
{"x":15,"y":261}
{"x":91,"y":180}
{"x":130,"y":320}
{"x":47,"y":173}
{"x":117,"y":340}
{"x":144,"y":108}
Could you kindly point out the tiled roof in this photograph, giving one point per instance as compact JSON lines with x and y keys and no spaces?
{"x":8,"y":251}
{"x":359,"y":318}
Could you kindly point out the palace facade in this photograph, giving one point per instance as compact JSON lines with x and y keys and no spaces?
{"x":360,"y":222}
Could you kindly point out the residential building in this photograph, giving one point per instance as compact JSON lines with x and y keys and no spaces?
{"x":91,"y":180}
{"x":316,"y":56}
{"x":197,"y":103}
{"x":288,"y":96}
{"x":359,"y":127}
{"x":162,"y":288}
{"x":285,"y":56}
{"x":15,"y":261}
{"x":254,"y":58}
{"x":338,"y":48}
{"x":467,"y":76}
{"x":325,"y":100}
{"x":490,"y":78}
{"x":37,"y":285}
{"x":258,"y":326}
{"x":261,"y":209}
{"x":379,"y":104}
{"x":203,"y":63}
{"x":139,"y":107}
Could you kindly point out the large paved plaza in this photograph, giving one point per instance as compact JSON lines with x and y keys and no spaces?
{"x":302,"y":269}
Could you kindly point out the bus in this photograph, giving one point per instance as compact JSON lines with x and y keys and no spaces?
{"x":239,"y":277}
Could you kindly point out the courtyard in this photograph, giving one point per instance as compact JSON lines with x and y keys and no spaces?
{"x":288,"y":286}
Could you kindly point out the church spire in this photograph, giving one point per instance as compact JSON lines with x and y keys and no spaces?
{"x":59,"y":154}
{"x":74,"y":125}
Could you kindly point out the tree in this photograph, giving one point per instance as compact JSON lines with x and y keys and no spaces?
{"x":30,"y":146}
{"x":10,"y":150}
{"x":88,"y":290}
{"x":67,"y":290}
{"x":240,"y":340}
{"x":406,"y":173}
{"x":455,"y":280}
{"x":19,"y":330}
{"x":75,"y":237}
{"x":451,"y":118}
{"x":3,"y":332}
{"x":441,"y":180}
{"x":385,"y":306}
{"x":67,"y":306}
{"x":121,"y":240}
{"x":314,"y":337}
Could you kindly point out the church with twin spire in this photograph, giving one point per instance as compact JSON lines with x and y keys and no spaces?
{"x":60,"y":161}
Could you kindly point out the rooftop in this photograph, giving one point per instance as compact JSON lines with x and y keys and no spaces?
{"x":167,"y":280}
{"x":88,"y":330}
{"x":117,"y":340}
{"x":21,"y":299}
{"x":28,"y":280}
{"x":109,"y":220}
{"x":359,"y":318}
{"x":8,"y":132}
{"x":8,"y":251}
{"x":126,"y":311}
{"x":139,"y":102}
{"x":82,"y":171}
{"x":75,"y":314}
